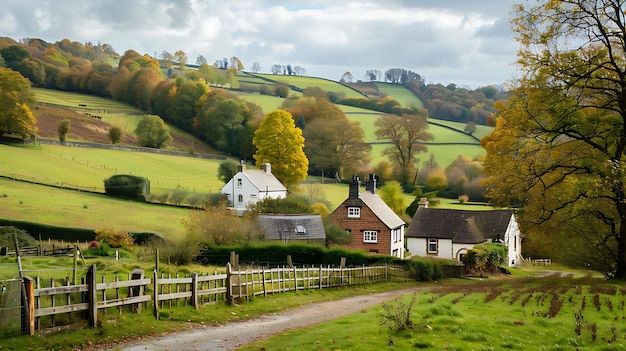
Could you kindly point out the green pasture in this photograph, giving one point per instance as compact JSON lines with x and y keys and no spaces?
{"x":267,"y":102}
{"x":304,"y":82}
{"x":481,"y":131}
{"x":444,"y":154}
{"x":87,"y":167}
{"x":74,"y":100}
{"x":520,"y":315}
{"x":398,"y":92}
{"x":70,"y":208}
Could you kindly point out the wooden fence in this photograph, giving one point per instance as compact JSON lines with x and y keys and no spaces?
{"x":89,"y":297}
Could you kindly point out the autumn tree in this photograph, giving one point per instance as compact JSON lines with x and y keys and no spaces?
{"x":393,"y":195}
{"x":559,"y":142}
{"x":153,"y":132}
{"x":15,"y":98}
{"x":406,"y":134}
{"x":281,"y":144}
{"x":115,"y":134}
{"x":63,"y":129}
{"x":181,"y":57}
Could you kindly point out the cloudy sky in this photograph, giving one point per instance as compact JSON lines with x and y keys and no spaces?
{"x":466,"y":42}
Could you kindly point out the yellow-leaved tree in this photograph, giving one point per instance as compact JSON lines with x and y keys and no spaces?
{"x":280,"y":143}
{"x":15,"y":97}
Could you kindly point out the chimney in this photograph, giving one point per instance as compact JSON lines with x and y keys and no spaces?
{"x":423,"y":202}
{"x":242,"y":166}
{"x":355,"y":186}
{"x":267,"y":168}
{"x":370,"y":184}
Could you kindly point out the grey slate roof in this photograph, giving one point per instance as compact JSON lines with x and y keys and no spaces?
{"x":381,"y":210}
{"x":264,"y":181}
{"x":280,"y":227}
{"x":461,"y":226}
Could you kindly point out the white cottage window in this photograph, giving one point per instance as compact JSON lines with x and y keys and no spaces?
{"x":370,"y":236}
{"x":354,"y":212}
{"x":240,"y":198}
{"x":432,"y":246}
{"x":239,"y":182}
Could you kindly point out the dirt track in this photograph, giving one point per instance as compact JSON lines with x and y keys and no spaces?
{"x":234,"y":335}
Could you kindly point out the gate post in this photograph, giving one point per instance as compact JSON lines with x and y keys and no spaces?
{"x":137,"y":290}
{"x":28,"y":311}
{"x":229,"y":284}
{"x":92,"y":301}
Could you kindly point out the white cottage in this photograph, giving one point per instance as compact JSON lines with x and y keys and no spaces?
{"x":250,"y":186}
{"x":446,"y":233}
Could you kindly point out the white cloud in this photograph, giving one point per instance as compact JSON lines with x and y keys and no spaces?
{"x":464,"y":42}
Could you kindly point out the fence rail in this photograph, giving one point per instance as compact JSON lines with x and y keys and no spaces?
{"x":89,"y":297}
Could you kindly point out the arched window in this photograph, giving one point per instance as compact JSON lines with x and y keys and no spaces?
{"x":240,"y":198}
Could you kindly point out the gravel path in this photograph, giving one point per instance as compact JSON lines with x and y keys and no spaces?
{"x":234,"y":335}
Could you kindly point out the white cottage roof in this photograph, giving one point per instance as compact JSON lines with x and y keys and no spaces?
{"x":262,"y":180}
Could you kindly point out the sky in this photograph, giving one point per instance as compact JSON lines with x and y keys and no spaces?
{"x":465,"y":42}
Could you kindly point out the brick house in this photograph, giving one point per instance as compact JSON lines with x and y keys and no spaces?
{"x":373,"y":225}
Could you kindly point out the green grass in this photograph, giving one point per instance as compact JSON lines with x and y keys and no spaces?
{"x":56,"y":165}
{"x":303,"y":82}
{"x":66,"y":208}
{"x":74,"y":100}
{"x":404,"y":96}
{"x":524,"y":314}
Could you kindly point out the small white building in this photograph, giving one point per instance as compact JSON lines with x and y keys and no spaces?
{"x":250,"y":186}
{"x":447,"y":233}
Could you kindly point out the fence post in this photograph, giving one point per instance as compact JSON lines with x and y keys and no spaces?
{"x":92,"y":301}
{"x":28,"y":311}
{"x":194,"y":290}
{"x":264,"y":288}
{"x":155,"y":294}
{"x":229,"y":284}
{"x":137,"y":290}
{"x":321,"y":280}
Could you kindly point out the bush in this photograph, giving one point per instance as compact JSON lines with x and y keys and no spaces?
{"x":9,"y":234}
{"x":114,"y":238}
{"x":485,"y":257}
{"x":127,"y":186}
{"x":422,"y":271}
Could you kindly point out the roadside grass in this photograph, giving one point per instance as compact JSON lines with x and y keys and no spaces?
{"x":519,"y":314}
{"x":404,"y":96}
{"x":127,"y":326}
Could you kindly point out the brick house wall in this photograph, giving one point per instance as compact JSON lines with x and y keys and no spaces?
{"x":367,"y":221}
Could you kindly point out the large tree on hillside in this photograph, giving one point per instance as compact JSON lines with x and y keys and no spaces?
{"x":151,"y":131}
{"x":280,"y":143}
{"x":405,"y":133}
{"x":559,"y":143}
{"x":15,"y":98}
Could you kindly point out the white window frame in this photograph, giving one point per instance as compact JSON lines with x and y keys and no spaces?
{"x":240,"y":198}
{"x":396,"y":235}
{"x":370,"y":236}
{"x":354,"y":212}
{"x":432,"y":241}
{"x":239,"y":182}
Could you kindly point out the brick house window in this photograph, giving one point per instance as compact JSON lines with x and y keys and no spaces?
{"x":370,"y":236}
{"x":354,"y":212}
{"x":432,"y":246}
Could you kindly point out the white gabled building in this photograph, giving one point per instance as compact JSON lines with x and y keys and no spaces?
{"x":250,"y":186}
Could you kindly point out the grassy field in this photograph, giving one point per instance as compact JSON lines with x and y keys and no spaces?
{"x":68,"y":208}
{"x":305,"y":82}
{"x":404,"y":96}
{"x":527,"y":314}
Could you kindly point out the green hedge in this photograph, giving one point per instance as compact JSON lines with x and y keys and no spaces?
{"x":127,"y":186}
{"x":485,"y":257}
{"x":276,"y":255}
{"x":50,"y":232}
